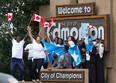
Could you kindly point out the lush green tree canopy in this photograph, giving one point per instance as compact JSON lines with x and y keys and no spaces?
{"x":23,"y":10}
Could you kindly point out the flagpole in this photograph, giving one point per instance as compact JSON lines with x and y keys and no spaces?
{"x":40,"y":31}
{"x":8,"y":25}
{"x":29,"y":22}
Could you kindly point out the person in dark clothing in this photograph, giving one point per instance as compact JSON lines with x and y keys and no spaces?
{"x":68,"y":59}
{"x":81,"y":45}
{"x":99,"y":61}
{"x":58,"y":62}
{"x":91,"y":60}
{"x":29,"y":49}
{"x":60,"y":42}
{"x":83,"y":52}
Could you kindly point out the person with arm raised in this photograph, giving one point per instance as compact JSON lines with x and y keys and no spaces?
{"x":17,"y":55}
{"x":39,"y":54}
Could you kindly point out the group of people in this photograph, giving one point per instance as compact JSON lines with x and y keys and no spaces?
{"x":91,"y":53}
{"x":37,"y":54}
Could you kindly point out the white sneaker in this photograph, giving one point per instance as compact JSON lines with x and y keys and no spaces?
{"x":37,"y":80}
{"x":23,"y":81}
{"x":33,"y":81}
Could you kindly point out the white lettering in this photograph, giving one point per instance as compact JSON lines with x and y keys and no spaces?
{"x":87,"y":9}
{"x":71,"y":10}
{"x":74,"y":29}
{"x":101,"y":32}
{"x":45,"y":75}
{"x":57,"y":75}
{"x":68,"y":10}
{"x":64,"y":32}
{"x":56,"y":30}
{"x":93,"y":33}
{"x":59,"y":10}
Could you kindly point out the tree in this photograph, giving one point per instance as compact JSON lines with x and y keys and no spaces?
{"x":23,"y":10}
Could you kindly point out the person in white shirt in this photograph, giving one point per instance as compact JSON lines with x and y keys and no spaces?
{"x":71,"y":41}
{"x":39,"y":54}
{"x":17,"y":56}
{"x":29,"y":49}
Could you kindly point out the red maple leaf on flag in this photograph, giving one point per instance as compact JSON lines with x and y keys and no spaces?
{"x":46,"y":24}
{"x":50,"y":24}
{"x":42,"y":22}
{"x":36,"y":17}
{"x":9,"y":16}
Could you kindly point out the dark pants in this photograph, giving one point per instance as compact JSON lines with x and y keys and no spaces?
{"x":30,"y":69}
{"x":92,"y":71}
{"x":45,"y":65}
{"x":83,"y":63}
{"x":17,"y":62}
{"x":100,"y":70}
{"x":37,"y":64}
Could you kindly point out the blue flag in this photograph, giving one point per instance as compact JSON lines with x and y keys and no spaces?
{"x":59,"y":50}
{"x":75,"y":52}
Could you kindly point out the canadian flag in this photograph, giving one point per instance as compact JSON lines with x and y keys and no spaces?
{"x":90,"y":27}
{"x":9,"y":16}
{"x":52,"y":22}
{"x":42,"y":20}
{"x":36,"y":17}
{"x":46,"y":24}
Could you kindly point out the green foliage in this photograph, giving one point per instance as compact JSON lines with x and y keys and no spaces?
{"x":23,"y":10}
{"x":5,"y":50}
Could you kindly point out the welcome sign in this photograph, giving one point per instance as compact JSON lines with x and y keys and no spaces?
{"x":76,"y":9}
{"x":76,"y":26}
